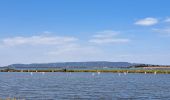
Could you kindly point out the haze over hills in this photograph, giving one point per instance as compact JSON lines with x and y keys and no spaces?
{"x":91,"y":64}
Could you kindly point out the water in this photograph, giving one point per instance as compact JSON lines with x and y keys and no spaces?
{"x":84,"y":86}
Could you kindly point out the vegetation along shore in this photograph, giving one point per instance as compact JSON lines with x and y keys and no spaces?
{"x":104,"y":71}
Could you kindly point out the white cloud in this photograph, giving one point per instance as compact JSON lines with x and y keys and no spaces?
{"x":108,"y":37}
{"x":167,"y":20}
{"x":37,"y":40}
{"x":163,"y":31}
{"x":44,"y":49}
{"x":109,"y":41}
{"x":149,"y":21}
{"x":76,"y":53}
{"x":106,"y":34}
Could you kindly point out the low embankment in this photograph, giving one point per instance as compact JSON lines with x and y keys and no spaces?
{"x":104,"y":71}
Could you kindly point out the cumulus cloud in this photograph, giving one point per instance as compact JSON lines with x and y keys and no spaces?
{"x":149,"y":21}
{"x":108,"y":37}
{"x":37,"y":40}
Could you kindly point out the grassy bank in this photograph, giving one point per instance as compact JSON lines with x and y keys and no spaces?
{"x":104,"y":71}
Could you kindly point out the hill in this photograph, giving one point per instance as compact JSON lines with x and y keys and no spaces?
{"x":94,"y":64}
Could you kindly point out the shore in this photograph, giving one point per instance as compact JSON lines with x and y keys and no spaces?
{"x":104,"y":71}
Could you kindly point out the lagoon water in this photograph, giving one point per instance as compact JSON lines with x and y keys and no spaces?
{"x":84,"y":86}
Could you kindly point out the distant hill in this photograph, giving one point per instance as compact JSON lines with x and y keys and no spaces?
{"x":94,"y":64}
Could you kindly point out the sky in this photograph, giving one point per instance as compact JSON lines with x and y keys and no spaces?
{"x":44,"y":31}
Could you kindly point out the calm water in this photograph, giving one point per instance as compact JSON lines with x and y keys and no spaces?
{"x":84,"y":86}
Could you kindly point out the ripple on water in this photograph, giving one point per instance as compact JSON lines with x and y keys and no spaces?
{"x":85,"y":86}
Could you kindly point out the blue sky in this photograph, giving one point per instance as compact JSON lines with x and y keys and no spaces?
{"x":36,"y":31}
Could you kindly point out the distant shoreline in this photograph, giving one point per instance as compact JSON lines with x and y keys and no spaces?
{"x":95,"y":71}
